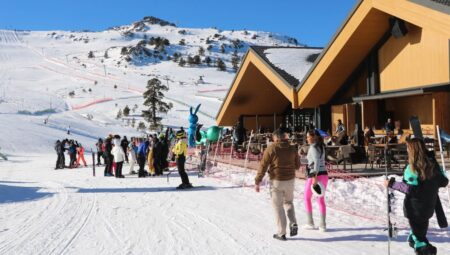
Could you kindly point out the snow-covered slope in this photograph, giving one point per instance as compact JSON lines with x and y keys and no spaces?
{"x":38,"y":70}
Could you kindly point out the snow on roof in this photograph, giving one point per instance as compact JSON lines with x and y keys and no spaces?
{"x":294,"y":61}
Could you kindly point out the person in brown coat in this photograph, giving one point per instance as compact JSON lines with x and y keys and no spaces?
{"x":281,"y":160}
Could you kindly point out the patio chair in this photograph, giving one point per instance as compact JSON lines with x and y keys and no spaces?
{"x":343,"y":156}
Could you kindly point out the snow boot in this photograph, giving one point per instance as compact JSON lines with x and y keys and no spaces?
{"x":293,"y":229}
{"x":426,"y":250}
{"x":281,"y":238}
{"x":322,"y":225}
{"x":310,"y":222}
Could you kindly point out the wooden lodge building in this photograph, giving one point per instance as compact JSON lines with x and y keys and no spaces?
{"x":389,"y":59}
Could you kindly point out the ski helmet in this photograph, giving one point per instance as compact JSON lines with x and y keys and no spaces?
{"x":318,"y":189}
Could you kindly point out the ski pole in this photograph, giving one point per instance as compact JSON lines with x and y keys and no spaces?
{"x":93,"y":163}
{"x":246,"y":158}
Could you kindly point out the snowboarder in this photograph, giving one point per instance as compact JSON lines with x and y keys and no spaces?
{"x":180,"y":151}
{"x":281,"y":161}
{"x":99,"y":146}
{"x":132,"y":149}
{"x":422,"y":179}
{"x":317,"y":178}
{"x":119,"y":157}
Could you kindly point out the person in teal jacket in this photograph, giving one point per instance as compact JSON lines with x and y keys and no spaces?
{"x":421,"y":182}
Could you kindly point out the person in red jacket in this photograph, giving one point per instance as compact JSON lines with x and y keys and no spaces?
{"x":80,"y":150}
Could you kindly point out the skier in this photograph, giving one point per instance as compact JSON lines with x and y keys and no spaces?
{"x":281,"y":161}
{"x":99,"y":146}
{"x":141,"y":156}
{"x":180,"y":151}
{"x":80,"y":150}
{"x":317,"y":178}
{"x":150,"y":157}
{"x":58,"y":153}
{"x":164,"y":152}
{"x":108,"y":157}
{"x":422,"y":179}
{"x":132,"y":155}
{"x":119,"y":157}
{"x":157,"y":150}
{"x":72,"y":153}
{"x":124,"y":143}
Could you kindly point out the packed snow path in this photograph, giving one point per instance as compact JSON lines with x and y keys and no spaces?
{"x":44,"y":211}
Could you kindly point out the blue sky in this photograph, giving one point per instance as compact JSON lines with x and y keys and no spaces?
{"x":311,"y":22}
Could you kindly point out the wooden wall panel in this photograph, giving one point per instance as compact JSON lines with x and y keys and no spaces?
{"x":337,"y":112}
{"x":420,"y":58}
{"x":405,"y":107}
{"x":369,"y":113}
{"x":441,"y":110}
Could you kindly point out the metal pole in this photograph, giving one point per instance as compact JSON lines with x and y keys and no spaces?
{"x":246,"y":158}
{"x":93,"y":163}
{"x":442,"y":157}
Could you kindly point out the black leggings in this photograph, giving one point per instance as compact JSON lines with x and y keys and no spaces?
{"x":419,"y":228}
{"x":119,"y":166}
{"x":180,"y":165}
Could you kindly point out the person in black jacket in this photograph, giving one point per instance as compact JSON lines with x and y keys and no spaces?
{"x":99,"y":145}
{"x":58,"y":154}
{"x":421,"y":182}
{"x":108,"y":157}
{"x":164,"y":152}
{"x":124,"y":144}
{"x":157,"y":156}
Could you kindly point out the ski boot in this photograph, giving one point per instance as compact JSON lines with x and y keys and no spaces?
{"x":426,"y":250}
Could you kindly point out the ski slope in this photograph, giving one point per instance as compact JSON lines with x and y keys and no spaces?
{"x":71,"y":212}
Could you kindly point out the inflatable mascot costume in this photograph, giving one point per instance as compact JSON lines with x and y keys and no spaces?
{"x":193,"y":119}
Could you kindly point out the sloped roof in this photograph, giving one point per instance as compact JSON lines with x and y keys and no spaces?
{"x":438,"y":5}
{"x":291,"y":63}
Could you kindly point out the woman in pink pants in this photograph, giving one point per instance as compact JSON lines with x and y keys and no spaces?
{"x":316,"y":172}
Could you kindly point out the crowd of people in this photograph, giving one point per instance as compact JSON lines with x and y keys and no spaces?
{"x":151,"y":154}
{"x":421,"y":182}
{"x":75,"y":151}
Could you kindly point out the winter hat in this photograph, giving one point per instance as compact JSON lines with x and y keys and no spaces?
{"x":181,"y":135}
{"x":318,"y":189}
{"x":161,"y":136}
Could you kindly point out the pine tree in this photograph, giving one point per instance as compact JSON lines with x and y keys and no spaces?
{"x":197,"y":60}
{"x":209,"y":48}
{"x":208,"y":41}
{"x":176,"y":57}
{"x":201,"y":51}
{"x":190,"y":60}
{"x":126,"y":111}
{"x":124,"y":51}
{"x":91,"y":54}
{"x":106,"y":54}
{"x":221,"y":65}
{"x":235,"y":61}
{"x":182,"y":62}
{"x":133,"y":122}
{"x":182,"y":42}
{"x":153,"y":98}
{"x":141,"y":126}
{"x":222,"y":48}
{"x":119,"y":114}
{"x":208,"y":60}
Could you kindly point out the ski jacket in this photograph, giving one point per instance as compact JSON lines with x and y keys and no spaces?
{"x":132,"y":151}
{"x":108,"y":147}
{"x":80,"y":150}
{"x":142,"y":149}
{"x":316,"y":161}
{"x":99,"y":147}
{"x":157,"y":151}
{"x":180,"y":148}
{"x":420,"y":196}
{"x":280,"y":160}
{"x":58,"y":147}
{"x":118,"y":153}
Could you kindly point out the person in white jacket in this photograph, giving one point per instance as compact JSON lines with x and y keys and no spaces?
{"x":119,"y":156}
{"x":132,"y":155}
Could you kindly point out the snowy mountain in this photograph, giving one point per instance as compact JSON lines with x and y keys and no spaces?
{"x":81,"y":79}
